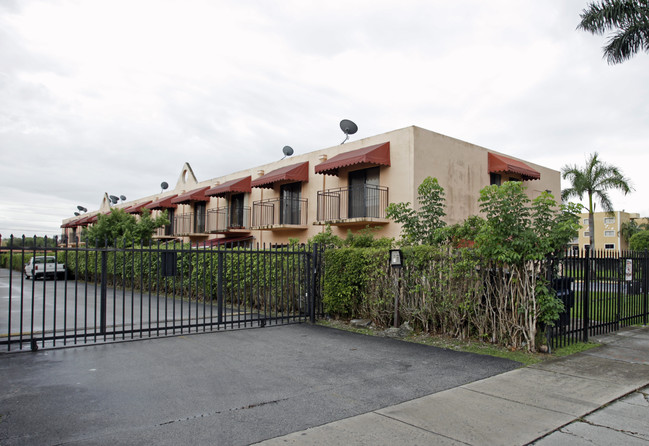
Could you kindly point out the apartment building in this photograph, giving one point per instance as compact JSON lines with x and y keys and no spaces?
{"x":608,"y":234}
{"x":347,"y":187}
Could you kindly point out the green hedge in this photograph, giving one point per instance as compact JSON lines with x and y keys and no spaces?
{"x":439,"y":288}
{"x":269,"y":279}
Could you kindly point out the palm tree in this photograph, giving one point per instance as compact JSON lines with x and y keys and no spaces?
{"x":594,"y":180}
{"x":629,"y":19}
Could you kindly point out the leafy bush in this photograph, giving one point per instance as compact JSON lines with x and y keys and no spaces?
{"x":639,"y":241}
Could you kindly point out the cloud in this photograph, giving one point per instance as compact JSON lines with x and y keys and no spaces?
{"x":115,"y":96}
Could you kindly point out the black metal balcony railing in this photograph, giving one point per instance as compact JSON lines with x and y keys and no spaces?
{"x":279,"y":211}
{"x":229,"y":218}
{"x":188,"y":224}
{"x":165,"y":231}
{"x":345,"y":203}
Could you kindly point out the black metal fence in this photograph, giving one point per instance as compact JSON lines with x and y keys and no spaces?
{"x":602,"y":291}
{"x":51,"y":297}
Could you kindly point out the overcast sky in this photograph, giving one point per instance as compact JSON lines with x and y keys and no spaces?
{"x":115,"y":95}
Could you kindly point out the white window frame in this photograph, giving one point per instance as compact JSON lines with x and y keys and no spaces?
{"x":585,"y":221}
{"x":609,"y":233}
{"x":609,"y":246}
{"x":609,"y":220}
{"x":586,"y":233}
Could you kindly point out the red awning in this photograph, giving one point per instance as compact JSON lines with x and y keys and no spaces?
{"x":503,"y":164}
{"x":193,"y":195}
{"x":234,"y":186}
{"x":162,"y":203}
{"x":136,"y":209}
{"x":85,"y":221}
{"x":292,"y":173}
{"x":376,"y":155}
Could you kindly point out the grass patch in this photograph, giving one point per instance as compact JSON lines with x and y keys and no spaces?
{"x":468,"y":345}
{"x":573,"y":348}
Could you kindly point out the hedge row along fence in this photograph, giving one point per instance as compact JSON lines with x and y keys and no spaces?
{"x":274,"y":279}
{"x":441,"y":290}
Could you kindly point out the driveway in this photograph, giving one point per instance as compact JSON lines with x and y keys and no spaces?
{"x":225,"y":388}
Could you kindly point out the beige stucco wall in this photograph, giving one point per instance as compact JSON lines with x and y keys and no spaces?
{"x":462,"y":170}
{"x":605,"y":223}
{"x":415,"y":153}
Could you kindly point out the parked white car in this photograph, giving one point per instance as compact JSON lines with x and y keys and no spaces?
{"x":41,"y":266}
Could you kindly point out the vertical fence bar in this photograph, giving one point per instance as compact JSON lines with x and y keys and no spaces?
{"x":104,"y":285}
{"x":645,"y":285}
{"x":312,"y":265}
{"x":585,"y":295}
{"x":219,"y":286}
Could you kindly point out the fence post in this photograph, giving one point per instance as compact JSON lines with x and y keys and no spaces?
{"x":219,"y":286}
{"x":104,"y":285}
{"x":645,"y":285}
{"x":585,"y":295}
{"x":313,"y":265}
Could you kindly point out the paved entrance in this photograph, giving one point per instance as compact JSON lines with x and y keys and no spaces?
{"x":228,"y":388}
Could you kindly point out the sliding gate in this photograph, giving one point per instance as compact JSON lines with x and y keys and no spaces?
{"x":79,"y":295}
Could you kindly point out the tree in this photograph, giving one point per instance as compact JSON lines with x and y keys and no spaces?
{"x":629,"y":19}
{"x":120,"y":226}
{"x":421,"y":226}
{"x":516,"y":239}
{"x":639,"y":241}
{"x":594,"y":181}
{"x":629,"y":228}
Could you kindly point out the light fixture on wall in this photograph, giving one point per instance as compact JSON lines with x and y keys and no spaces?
{"x":396,"y":258}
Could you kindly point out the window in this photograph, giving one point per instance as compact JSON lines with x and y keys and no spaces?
{"x":364,"y":193}
{"x":609,"y":220}
{"x":236,"y":211}
{"x":609,"y":246}
{"x":290,"y":205}
{"x":494,"y":179}
{"x":609,"y":233}
{"x":169,"y":229}
{"x":199,"y":220}
{"x":586,"y":234}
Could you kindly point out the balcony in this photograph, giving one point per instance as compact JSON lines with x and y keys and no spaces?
{"x":279,"y":214}
{"x":165,"y":232}
{"x":353,"y":206}
{"x":228,"y":220}
{"x":189,"y":225}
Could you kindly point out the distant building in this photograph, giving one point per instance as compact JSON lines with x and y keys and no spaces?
{"x":347,"y":187}
{"x":608,"y":235}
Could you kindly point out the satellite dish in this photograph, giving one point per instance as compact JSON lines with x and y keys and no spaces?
{"x":81,"y":209}
{"x":164,"y":185}
{"x":348,"y":127}
{"x":122,"y":197}
{"x":113,"y":199}
{"x":288,"y":151}
{"x":77,"y":214}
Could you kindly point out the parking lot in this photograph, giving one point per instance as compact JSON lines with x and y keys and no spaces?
{"x":235,"y":387}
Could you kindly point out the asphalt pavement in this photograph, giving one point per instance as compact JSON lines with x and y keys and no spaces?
{"x":224,"y":388}
{"x":597,"y":397}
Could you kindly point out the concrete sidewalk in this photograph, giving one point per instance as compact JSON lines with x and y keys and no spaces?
{"x":515,"y":408}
